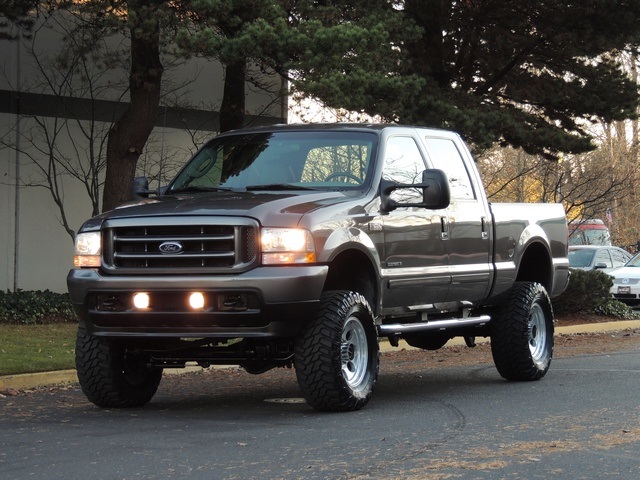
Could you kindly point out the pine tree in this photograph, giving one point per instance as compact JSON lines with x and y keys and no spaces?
{"x":521,"y":73}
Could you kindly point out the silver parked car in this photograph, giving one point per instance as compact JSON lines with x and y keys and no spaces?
{"x":626,"y":282}
{"x":590,"y":257}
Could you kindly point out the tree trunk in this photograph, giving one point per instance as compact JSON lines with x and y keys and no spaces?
{"x":129,"y":134}
{"x":233,"y":100}
{"x":427,"y":53}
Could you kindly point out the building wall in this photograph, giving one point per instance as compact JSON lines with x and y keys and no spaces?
{"x":45,"y":249}
{"x":7,"y":207}
{"x":36,"y":252}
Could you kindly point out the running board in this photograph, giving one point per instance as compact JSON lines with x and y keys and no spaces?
{"x":400,"y":328}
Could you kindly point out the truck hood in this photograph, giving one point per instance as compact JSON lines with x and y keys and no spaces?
{"x":269,"y":208}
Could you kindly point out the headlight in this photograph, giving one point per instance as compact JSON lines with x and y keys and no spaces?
{"x":87,"y":250}
{"x":283,"y":246}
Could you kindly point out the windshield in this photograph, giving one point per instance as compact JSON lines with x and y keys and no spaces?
{"x":580,"y":258}
{"x":281,"y":160}
{"x":634,"y":262}
{"x":597,"y":237}
{"x":590,"y":236}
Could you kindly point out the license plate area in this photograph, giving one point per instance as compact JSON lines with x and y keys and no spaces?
{"x":624,"y":290}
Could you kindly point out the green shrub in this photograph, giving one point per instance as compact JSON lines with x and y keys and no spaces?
{"x":29,"y":307}
{"x":589,"y":292}
{"x":615,"y":308}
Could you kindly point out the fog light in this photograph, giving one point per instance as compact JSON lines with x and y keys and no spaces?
{"x":141,"y":300}
{"x":196,"y":300}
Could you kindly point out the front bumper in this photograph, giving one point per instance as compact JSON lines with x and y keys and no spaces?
{"x":274,"y":302}
{"x":629,"y":294}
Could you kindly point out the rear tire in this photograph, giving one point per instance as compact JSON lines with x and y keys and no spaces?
{"x":112,"y":376}
{"x":522,"y":333}
{"x":337,"y":355}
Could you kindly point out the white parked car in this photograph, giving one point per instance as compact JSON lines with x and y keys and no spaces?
{"x":590,"y":257}
{"x":626,"y":282}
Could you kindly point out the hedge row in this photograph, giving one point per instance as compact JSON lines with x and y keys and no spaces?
{"x":28,"y":307}
{"x":589,"y":292}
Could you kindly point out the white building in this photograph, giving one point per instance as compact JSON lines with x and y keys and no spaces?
{"x":47,"y":109}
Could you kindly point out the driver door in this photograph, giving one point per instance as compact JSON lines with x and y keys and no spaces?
{"x":415,"y":261}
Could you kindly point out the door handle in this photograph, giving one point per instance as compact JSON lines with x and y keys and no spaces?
{"x":484,"y":234}
{"x":444,"y":228}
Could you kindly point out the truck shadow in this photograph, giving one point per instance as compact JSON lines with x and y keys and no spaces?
{"x":234,"y":392}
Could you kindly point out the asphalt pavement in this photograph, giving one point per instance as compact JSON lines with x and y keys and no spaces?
{"x":31,"y":381}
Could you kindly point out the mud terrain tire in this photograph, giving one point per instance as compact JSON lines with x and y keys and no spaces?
{"x":337,"y":355}
{"x":111,"y":376}
{"x":522,"y":333}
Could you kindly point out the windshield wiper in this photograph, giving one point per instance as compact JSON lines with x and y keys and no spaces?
{"x":198,"y":189}
{"x":279,"y":186}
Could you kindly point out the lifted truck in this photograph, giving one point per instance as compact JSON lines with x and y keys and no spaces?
{"x":302,"y":245}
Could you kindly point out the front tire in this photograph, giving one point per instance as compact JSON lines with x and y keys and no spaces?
{"x":112,"y":376}
{"x":337,"y":355}
{"x":522,"y":333}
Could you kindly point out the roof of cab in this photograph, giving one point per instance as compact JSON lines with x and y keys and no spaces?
{"x":376,"y":127}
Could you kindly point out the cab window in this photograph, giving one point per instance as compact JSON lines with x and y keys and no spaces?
{"x":403,"y":164}
{"x":445,"y":156}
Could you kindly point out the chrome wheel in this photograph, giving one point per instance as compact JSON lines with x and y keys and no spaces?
{"x":354,"y":353}
{"x":537,"y":333}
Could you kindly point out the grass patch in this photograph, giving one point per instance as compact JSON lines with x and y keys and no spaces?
{"x":37,"y":348}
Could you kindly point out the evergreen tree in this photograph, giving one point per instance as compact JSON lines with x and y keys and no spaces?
{"x":130,"y":132}
{"x":149,"y":25}
{"x":520,"y":72}
{"x":310,"y":42}
{"x":16,"y":13}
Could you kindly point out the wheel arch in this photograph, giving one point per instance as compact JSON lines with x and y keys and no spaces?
{"x":352,"y":269}
{"x":536,"y":265}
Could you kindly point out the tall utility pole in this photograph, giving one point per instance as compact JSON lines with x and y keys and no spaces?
{"x":16,"y":216}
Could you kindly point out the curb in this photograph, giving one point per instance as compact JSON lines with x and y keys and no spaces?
{"x":28,"y":381}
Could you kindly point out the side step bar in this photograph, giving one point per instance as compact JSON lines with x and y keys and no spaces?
{"x":400,"y":328}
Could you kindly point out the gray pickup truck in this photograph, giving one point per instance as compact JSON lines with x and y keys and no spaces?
{"x":304,"y":245}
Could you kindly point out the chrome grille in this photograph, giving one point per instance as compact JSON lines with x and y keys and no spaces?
{"x":178,"y":245}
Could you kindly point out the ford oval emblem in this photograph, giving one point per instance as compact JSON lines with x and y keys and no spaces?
{"x":171,"y":247}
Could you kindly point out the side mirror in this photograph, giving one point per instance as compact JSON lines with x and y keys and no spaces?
{"x":140,"y":188}
{"x":435,"y":192}
{"x":600,"y":265}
